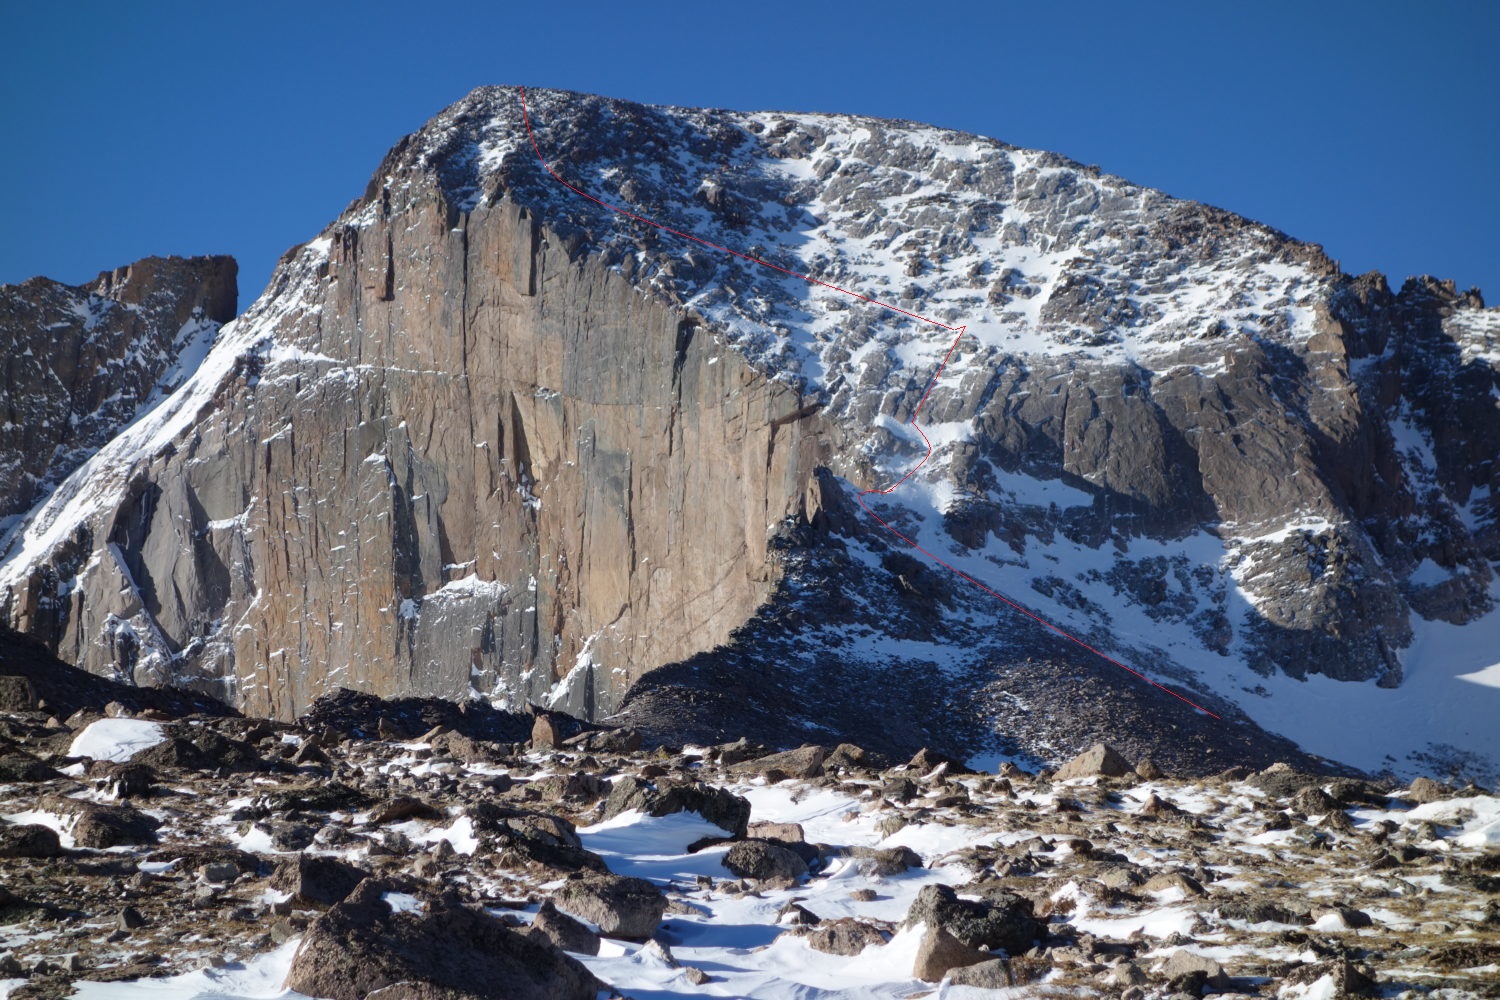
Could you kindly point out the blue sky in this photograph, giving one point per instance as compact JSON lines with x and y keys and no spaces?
{"x":242,"y":128}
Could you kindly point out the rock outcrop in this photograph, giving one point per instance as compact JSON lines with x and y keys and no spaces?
{"x":82,"y":360}
{"x":506,"y":463}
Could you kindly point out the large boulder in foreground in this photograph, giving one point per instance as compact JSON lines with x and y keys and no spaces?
{"x":409,"y":947}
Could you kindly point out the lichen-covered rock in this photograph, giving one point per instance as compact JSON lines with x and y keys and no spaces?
{"x":721,"y":807}
{"x":844,"y":936}
{"x":16,"y":694}
{"x":804,"y":762}
{"x":316,"y":880}
{"x":26,"y":768}
{"x":98,"y":825}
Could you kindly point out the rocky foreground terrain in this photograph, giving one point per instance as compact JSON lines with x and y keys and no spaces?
{"x":421,"y":849}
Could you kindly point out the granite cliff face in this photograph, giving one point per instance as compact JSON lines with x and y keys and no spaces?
{"x":485,"y":437}
{"x":438,"y":456}
{"x":81,"y":361}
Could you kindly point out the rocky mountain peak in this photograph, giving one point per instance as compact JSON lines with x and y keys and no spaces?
{"x":487,"y":438}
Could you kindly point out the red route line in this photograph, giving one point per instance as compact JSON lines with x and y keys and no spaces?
{"x":958,"y":330}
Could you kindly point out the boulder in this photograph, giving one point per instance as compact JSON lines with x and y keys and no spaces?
{"x":100,"y":826}
{"x":1169,"y":881}
{"x":22,"y":767}
{"x":740,"y":750}
{"x":1313,"y":801}
{"x":28,"y":840}
{"x":539,"y":837}
{"x":563,"y":931}
{"x":1340,"y":918}
{"x":316,"y":880}
{"x":804,"y":762}
{"x":1426,"y":790}
{"x":790,"y":833}
{"x":1282,"y":781}
{"x":122,"y":781}
{"x":889,"y":860}
{"x":847,"y":755}
{"x":544,"y":732}
{"x":724,"y":809}
{"x":939,"y":952}
{"x":762,"y":859}
{"x":621,"y":741}
{"x":402,"y":807}
{"x":1001,"y":920}
{"x":362,"y":948}
{"x":1149,"y":770}
{"x":577,"y":788}
{"x":899,"y":788}
{"x":797,"y":915}
{"x":1350,"y":980}
{"x":845,"y":936}
{"x":1098,"y":760}
{"x":993,"y":974}
{"x":619,"y":906}
{"x":319,"y":797}
{"x":200,"y":749}
{"x":1264,"y":909}
{"x":927,"y":760}
{"x":1188,"y":972}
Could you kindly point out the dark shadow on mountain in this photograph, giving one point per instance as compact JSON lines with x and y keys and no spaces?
{"x":837,"y":656}
{"x":62,"y":689}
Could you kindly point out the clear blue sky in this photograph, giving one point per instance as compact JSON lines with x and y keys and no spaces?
{"x":242,"y":128}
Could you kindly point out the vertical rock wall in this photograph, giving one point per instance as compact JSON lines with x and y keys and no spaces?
{"x":456,"y":460}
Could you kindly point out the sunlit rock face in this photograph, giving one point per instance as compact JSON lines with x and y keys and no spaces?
{"x":484,"y":437}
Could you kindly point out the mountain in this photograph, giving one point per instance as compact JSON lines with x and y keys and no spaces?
{"x":82,"y":360}
{"x":487,"y":437}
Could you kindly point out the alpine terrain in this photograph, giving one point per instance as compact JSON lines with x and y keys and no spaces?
{"x":543,"y":591}
{"x":487,"y":438}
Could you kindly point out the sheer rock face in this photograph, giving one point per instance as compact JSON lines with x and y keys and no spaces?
{"x":448,"y":458}
{"x":484,"y":435}
{"x":81,"y":360}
